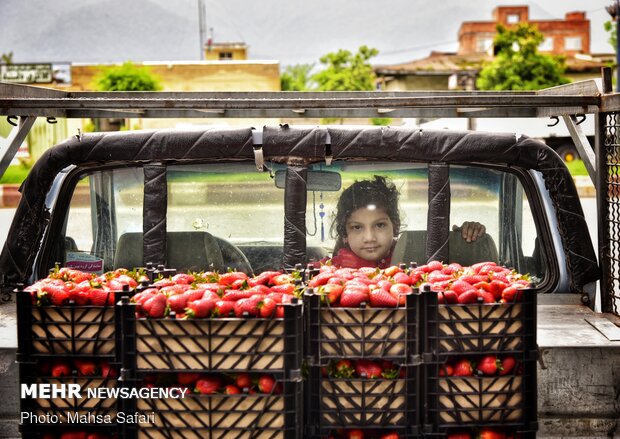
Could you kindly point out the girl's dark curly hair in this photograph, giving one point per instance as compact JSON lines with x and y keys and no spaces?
{"x":379,"y":191}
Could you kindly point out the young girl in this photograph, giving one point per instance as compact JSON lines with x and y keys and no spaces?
{"x":367,"y":224}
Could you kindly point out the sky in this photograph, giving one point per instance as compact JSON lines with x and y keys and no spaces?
{"x":290,"y":31}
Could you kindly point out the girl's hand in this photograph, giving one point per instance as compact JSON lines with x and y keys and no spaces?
{"x":470,"y":230}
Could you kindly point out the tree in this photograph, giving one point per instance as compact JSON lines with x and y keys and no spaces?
{"x":610,"y":27}
{"x":127,"y":77}
{"x":345,"y":71}
{"x":7,"y":58}
{"x":518,"y":65}
{"x":297,"y":78}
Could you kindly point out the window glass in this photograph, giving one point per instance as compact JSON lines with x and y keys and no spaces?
{"x":572,"y":43}
{"x":512,"y":18}
{"x":483,"y":44}
{"x":546,"y":45}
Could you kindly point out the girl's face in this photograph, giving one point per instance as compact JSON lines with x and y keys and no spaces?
{"x":370,"y":233}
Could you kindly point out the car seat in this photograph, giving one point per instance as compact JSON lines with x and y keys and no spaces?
{"x":411,"y":247}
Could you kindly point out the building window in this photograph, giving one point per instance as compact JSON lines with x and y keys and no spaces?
{"x":546,"y":45}
{"x":572,"y":43}
{"x":226,"y":56}
{"x":512,"y":18}
{"x":484,"y":44}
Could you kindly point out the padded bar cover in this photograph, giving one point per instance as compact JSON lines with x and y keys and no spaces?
{"x":295,"y":198}
{"x":438,"y":220}
{"x":155,"y":209}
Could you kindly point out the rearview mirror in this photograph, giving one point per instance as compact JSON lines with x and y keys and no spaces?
{"x":318,"y":181}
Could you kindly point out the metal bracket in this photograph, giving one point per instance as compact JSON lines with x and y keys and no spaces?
{"x":586,"y":152}
{"x":17,"y":136}
{"x":259,"y":159}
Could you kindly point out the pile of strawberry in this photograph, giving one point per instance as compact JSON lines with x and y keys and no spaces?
{"x":484,"y":433}
{"x":488,"y":365}
{"x":81,"y":367}
{"x":210,"y":294}
{"x":65,"y":285}
{"x":485,"y":282}
{"x":363,"y":368}
{"x":207,"y":384}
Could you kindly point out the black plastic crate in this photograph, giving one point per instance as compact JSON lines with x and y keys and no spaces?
{"x":366,"y":403}
{"x":64,"y":409}
{"x":218,"y":344}
{"x":388,"y":333}
{"x":67,"y":330}
{"x":481,"y":327}
{"x":223,"y":416}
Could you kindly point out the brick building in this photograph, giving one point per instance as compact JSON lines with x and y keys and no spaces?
{"x":570,"y":36}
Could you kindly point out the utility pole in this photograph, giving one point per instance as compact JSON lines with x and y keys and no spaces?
{"x":202,"y":25}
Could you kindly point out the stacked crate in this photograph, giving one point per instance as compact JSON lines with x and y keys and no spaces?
{"x":68,"y":333}
{"x":215,"y":347}
{"x":505,"y":403}
{"x":376,"y":405}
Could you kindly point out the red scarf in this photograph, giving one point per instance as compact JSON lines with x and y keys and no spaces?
{"x":347,"y":259}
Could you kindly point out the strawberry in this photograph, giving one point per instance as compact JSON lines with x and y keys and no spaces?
{"x":247,"y":305}
{"x":187,"y":378}
{"x":57,"y":294}
{"x":230,"y":277}
{"x":183,"y":278}
{"x":473,"y":279}
{"x":512,"y":294}
{"x":320,"y":279}
{"x":368,"y":369}
{"x":107,"y":370}
{"x":207,"y":385}
{"x":98,"y":296}
{"x":459,"y":287}
{"x":85,"y":367}
{"x":399,"y":291}
{"x":508,"y":363}
{"x":243,"y":381}
{"x":240,"y":284}
{"x":266,"y":383}
{"x":60,"y":368}
{"x":490,"y":433}
{"x":390,"y":436}
{"x":97,"y":436}
{"x":452,"y":268}
{"x":192,"y":295}
{"x":155,"y":307}
{"x":355,"y":434}
{"x":177,"y":303}
{"x":416,"y":276}
{"x":331,"y":292}
{"x":231,"y":389}
{"x":223,"y":308}
{"x":468,"y":297}
{"x":234,"y":295}
{"x":434,"y":265}
{"x":284,"y":289}
{"x":282,"y":279}
{"x":267,"y":307}
{"x":263,"y":278}
{"x":343,"y":369}
{"x":462,"y":368}
{"x":392,"y":270}
{"x":459,"y":435}
{"x":124,"y":279}
{"x":353,"y":296}
{"x":438,"y":276}
{"x":446,"y":370}
{"x":450,"y":297}
{"x":488,"y":365}
{"x":496,"y":287}
{"x":402,"y":278}
{"x":200,"y":309}
{"x":486,"y":296}
{"x":380,"y":298}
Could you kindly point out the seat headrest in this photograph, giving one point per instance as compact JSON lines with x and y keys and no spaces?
{"x":411,"y":247}
{"x":185,"y":251}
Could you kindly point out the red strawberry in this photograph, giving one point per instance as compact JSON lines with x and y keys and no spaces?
{"x":452,"y":268}
{"x":468,"y":297}
{"x":320,"y":279}
{"x":446,"y":370}
{"x":155,"y":307}
{"x":489,"y":433}
{"x":438,"y":276}
{"x":368,"y":369}
{"x":240,"y":284}
{"x":488,"y":365}
{"x":266,"y":384}
{"x":463,"y":368}
{"x":243,"y":306}
{"x":183,"y":278}
{"x":434,"y":265}
{"x":486,"y":296}
{"x":229,"y":278}
{"x":177,"y":303}
{"x":399,"y":291}
{"x":223,"y":308}
{"x":284,"y":289}
{"x":508,"y":364}
{"x":57,"y":294}
{"x":243,"y":381}
{"x":390,"y":436}
{"x":192,"y":295}
{"x":99,"y":296}
{"x":282,"y":279}
{"x":343,"y":369}
{"x":353,"y":296}
{"x":355,"y":434}
{"x":496,"y":287}
{"x":232,"y":390}
{"x":207,"y":385}
{"x":331,"y":292}
{"x":415,"y":276}
{"x":107,"y":370}
{"x":200,"y":309}
{"x":187,"y":378}
{"x":473,"y":279}
{"x":97,"y":436}
{"x":402,"y":278}
{"x":267,"y":307}
{"x":392,"y":270}
{"x":459,"y":287}
{"x":85,"y":367}
{"x":234,"y":295}
{"x":459,"y":435}
{"x":60,"y":368}
{"x":380,"y":298}
{"x":512,"y":294}
{"x":450,"y":297}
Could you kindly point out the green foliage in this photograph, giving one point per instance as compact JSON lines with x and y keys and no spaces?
{"x":6,"y":58}
{"x":518,"y":65}
{"x":346,"y":71}
{"x":15,"y":174}
{"x":381,"y":121}
{"x":127,"y":77}
{"x":610,"y":27}
{"x":297,"y":78}
{"x":577,"y":168}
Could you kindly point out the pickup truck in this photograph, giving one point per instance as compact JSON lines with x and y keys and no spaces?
{"x":264,"y":199}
